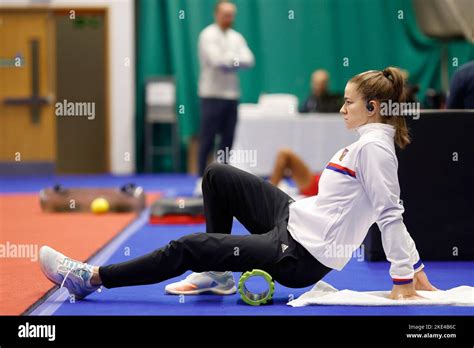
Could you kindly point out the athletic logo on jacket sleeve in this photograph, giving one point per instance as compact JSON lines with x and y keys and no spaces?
{"x":341,"y":169}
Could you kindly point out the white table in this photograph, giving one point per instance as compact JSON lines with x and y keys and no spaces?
{"x":314,"y":137}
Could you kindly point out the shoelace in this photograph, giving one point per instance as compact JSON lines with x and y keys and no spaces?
{"x":77,"y":267}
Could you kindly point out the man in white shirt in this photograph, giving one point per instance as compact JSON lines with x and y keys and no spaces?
{"x":222,"y":53}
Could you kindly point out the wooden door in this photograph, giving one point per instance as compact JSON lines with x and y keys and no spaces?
{"x":27,"y":117}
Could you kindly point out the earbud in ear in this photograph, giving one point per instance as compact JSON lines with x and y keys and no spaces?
{"x":369,"y":106}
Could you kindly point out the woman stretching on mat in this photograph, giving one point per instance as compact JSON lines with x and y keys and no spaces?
{"x":295,"y":242}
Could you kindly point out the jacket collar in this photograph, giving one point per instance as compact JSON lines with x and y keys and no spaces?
{"x":387,"y":129}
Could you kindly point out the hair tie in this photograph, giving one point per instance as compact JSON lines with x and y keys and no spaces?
{"x":385,"y":73}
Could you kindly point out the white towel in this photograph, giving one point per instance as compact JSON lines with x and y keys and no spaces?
{"x":325,"y":294}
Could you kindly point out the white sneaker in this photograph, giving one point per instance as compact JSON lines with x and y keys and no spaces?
{"x":207,"y":282}
{"x":63,"y":271}
{"x":197,"y":192}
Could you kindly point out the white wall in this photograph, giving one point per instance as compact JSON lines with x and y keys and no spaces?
{"x":121,"y":41}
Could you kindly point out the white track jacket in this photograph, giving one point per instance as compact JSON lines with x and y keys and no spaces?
{"x":358,"y":187}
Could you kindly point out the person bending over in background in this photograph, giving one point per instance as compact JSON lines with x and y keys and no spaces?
{"x":288,"y":163}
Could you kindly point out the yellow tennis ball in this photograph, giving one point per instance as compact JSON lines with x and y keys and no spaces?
{"x":100,"y":205}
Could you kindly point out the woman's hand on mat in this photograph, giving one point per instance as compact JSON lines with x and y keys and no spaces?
{"x":404,"y":292}
{"x":421,"y":282}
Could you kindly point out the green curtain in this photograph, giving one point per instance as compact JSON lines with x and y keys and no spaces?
{"x":365,"y":34}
